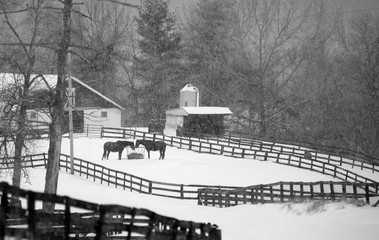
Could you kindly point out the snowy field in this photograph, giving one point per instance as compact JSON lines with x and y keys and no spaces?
{"x":339,"y":220}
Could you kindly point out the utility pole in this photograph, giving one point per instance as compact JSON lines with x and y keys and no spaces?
{"x":70,"y":118}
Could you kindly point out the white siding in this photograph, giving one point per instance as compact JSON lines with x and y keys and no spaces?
{"x":94,"y":116}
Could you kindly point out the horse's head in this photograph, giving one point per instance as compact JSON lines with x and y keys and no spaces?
{"x":138,"y":142}
{"x":132,"y":145}
{"x":124,"y":144}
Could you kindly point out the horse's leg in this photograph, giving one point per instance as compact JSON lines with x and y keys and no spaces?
{"x":119,"y":154}
{"x":108,"y":154}
{"x":148,"y":153}
{"x":104,"y":154}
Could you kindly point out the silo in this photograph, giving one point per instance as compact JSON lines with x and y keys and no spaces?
{"x":189,"y":96}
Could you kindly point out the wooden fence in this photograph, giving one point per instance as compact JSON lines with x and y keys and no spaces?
{"x":90,"y":221}
{"x":240,"y":148}
{"x":331,"y":150}
{"x":218,"y":195}
{"x":115,"y":178}
{"x":322,"y":164}
{"x":288,"y":192}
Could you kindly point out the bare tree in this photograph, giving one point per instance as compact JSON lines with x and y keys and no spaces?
{"x":274,"y":38}
{"x":19,"y":53}
{"x":359,"y":62}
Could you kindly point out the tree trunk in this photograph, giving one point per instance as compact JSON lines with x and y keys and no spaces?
{"x":55,"y":130}
{"x":19,"y":146}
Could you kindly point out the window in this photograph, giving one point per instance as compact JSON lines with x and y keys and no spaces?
{"x":33,"y":115}
{"x":104,"y":114}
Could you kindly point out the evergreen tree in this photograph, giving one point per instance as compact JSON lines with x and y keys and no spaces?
{"x":159,"y":62}
{"x":209,"y":49}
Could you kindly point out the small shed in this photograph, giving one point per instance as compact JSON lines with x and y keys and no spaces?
{"x":195,"y":121}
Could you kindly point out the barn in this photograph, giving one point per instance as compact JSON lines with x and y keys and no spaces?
{"x":190,"y":119}
{"x":91,"y":108}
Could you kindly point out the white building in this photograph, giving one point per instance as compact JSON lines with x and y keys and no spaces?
{"x":102,"y":112}
{"x":192,"y":119}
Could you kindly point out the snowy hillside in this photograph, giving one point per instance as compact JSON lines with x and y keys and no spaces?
{"x":337,"y":220}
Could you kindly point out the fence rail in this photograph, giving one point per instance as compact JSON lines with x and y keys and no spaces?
{"x":288,"y":192}
{"x":331,"y":150}
{"x":114,"y":178}
{"x":125,"y":181}
{"x":235,"y":147}
{"x":317,"y":163}
{"x":100,"y":221}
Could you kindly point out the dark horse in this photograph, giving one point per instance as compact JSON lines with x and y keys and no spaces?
{"x":153,"y":146}
{"x":116,"y":147}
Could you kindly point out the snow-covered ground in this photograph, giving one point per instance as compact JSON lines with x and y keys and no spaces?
{"x":337,"y":220}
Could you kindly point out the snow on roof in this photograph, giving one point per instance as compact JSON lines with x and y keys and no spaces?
{"x":96,"y":92}
{"x":46,"y":82}
{"x":185,"y":111}
{"x":39,"y":81}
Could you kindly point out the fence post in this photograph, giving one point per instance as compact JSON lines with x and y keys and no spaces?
{"x":322,"y":189}
{"x":101,"y":132}
{"x":367,"y":194}
{"x":44,"y":160}
{"x":262,"y":193}
{"x":291,"y":191}
{"x":131,"y":183}
{"x":67,"y":217}
{"x":102,"y":173}
{"x":100,"y":221}
{"x":3,"y":209}
{"x":220,"y":199}
{"x":181,"y":191}
{"x":154,"y":137}
{"x":31,"y":215}
{"x":190,"y":145}
{"x":243,"y":153}
{"x":87,"y":170}
{"x":332,"y":191}
{"x":281,"y":192}
{"x":124,"y":186}
{"x":271,"y":194}
{"x":355,"y":191}
{"x":150,"y":187}
{"x":344,"y":190}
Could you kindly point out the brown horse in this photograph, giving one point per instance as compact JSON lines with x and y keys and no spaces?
{"x":116,"y":147}
{"x":153,"y":146}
